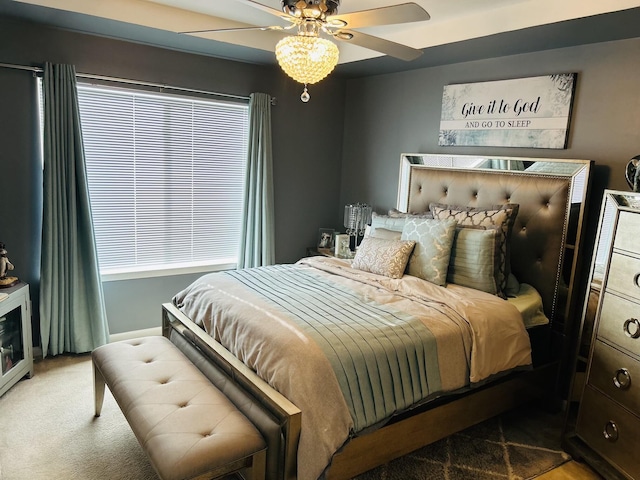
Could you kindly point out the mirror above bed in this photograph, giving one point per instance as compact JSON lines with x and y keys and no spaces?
{"x":552,"y":196}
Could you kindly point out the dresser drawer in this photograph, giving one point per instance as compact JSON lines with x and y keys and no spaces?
{"x":616,"y":374}
{"x":627,"y":233}
{"x":610,"y":430}
{"x":620,"y":322}
{"x":624,"y":275}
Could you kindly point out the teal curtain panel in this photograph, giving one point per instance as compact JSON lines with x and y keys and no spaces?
{"x":257,"y":240}
{"x":72,"y":311}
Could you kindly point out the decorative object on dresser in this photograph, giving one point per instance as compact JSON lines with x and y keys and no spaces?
{"x":603,"y":427}
{"x":632,"y":173}
{"x":15,"y":336}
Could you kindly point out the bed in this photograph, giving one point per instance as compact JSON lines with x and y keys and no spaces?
{"x":330,"y":406}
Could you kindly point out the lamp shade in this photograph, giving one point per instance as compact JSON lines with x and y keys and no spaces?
{"x":306,"y":59}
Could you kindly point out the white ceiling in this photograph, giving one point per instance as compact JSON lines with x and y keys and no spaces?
{"x":451,"y":20}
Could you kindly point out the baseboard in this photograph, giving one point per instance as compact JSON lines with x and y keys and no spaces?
{"x":117,"y":337}
{"x":37,"y":353}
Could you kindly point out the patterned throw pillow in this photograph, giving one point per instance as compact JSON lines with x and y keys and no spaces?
{"x":430,"y":258}
{"x":383,"y":257}
{"x":474,"y":260}
{"x":501,"y":217}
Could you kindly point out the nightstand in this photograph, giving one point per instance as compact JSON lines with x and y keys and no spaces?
{"x":315,"y":252}
{"x":326,"y":252}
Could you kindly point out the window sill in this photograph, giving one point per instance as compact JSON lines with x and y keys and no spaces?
{"x":165,"y":272}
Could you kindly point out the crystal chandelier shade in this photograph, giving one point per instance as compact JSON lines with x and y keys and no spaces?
{"x":306,"y":59}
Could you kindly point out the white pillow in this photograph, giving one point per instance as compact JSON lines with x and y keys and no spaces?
{"x":395,"y":224}
{"x":386,"y":234}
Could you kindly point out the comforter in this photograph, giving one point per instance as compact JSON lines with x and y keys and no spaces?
{"x":351,"y":348}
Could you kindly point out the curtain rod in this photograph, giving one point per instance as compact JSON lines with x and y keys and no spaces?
{"x":89,"y":76}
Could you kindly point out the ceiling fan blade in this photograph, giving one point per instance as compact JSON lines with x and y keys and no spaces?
{"x":378,"y":44}
{"x":266,"y":8}
{"x":236,"y":29}
{"x":403,"y":13}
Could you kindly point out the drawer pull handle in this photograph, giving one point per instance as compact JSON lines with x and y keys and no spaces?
{"x":632,"y":332}
{"x":636,"y":280}
{"x":622,"y":379}
{"x":610,"y":431}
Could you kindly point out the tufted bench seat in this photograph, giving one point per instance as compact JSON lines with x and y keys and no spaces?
{"x":186,"y":426}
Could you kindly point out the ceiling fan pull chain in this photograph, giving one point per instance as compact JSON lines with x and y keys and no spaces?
{"x":305,"y":95}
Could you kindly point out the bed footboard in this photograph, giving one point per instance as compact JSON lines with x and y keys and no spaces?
{"x":277,"y":418}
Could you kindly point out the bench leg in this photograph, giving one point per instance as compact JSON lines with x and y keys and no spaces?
{"x":98,"y":390}
{"x":258,"y":466}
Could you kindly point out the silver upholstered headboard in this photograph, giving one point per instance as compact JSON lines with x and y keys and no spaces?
{"x":545,"y":234}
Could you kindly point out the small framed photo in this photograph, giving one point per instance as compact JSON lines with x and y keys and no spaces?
{"x":325,"y":238}
{"x":342,"y":246}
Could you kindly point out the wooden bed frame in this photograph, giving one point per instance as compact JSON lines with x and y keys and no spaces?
{"x":539,"y":245}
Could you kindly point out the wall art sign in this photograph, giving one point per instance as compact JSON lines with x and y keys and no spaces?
{"x":531,"y":112}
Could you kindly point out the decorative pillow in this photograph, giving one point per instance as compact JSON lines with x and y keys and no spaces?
{"x":384,"y":257}
{"x":388,"y":222}
{"x":395,"y":213}
{"x":386,"y":234}
{"x":500,"y":216}
{"x":430,"y":257}
{"x":474,"y":260}
{"x":384,"y":221}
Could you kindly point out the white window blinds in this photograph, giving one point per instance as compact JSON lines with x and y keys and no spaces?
{"x":166,"y":178}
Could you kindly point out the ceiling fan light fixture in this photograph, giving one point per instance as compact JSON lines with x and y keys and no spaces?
{"x":295,"y":8}
{"x":307,"y":59}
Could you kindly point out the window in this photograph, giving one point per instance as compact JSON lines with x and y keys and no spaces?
{"x":166,"y":179}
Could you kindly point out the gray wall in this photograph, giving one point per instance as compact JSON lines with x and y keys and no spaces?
{"x":306,"y":177}
{"x":398,"y":113}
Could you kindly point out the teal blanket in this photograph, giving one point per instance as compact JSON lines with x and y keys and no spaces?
{"x":384,"y":360}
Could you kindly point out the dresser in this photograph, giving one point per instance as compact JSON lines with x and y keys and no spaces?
{"x":608,"y":416}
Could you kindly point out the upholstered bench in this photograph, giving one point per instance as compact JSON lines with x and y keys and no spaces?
{"x":186,"y":426}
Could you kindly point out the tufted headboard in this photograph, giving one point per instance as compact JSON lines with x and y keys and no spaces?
{"x":540,"y":230}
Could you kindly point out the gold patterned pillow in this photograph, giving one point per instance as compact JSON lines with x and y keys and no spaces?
{"x":501,"y":217}
{"x":383,"y":257}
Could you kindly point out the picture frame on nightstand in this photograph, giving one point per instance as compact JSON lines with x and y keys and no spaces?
{"x":342,"y":246}
{"x":325,"y":238}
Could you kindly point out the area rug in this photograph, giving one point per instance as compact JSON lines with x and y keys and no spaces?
{"x":518,"y":445}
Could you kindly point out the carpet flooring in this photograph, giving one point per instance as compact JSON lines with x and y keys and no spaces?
{"x":518,"y":445}
{"x":48,"y":431}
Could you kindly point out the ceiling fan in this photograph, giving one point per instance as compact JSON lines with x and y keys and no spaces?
{"x":307,"y":57}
